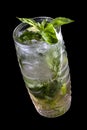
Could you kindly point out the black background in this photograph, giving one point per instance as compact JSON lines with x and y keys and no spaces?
{"x":18,"y":108}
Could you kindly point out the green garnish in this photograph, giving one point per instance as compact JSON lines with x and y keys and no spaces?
{"x":45,"y":30}
{"x":61,"y":21}
{"x":26,"y":36}
{"x":63,"y":89}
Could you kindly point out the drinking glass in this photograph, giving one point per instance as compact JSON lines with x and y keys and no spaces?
{"x":45,"y":70}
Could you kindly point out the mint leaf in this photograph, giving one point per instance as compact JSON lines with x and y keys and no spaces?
{"x":28,"y":21}
{"x":43,"y":23}
{"x":61,"y":21}
{"x":49,"y":34}
{"x":33,"y":29}
{"x":63,"y":89}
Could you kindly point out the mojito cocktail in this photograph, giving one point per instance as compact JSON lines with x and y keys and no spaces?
{"x":44,"y":68}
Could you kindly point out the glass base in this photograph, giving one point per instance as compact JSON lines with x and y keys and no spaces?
{"x":56,"y":112}
{"x":54,"y":108}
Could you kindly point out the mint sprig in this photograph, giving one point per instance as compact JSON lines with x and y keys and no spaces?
{"x":45,"y":30}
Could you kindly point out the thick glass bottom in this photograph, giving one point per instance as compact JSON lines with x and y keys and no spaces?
{"x":54,"y":108}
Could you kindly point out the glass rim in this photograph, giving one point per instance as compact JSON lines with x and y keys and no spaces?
{"x":39,"y":17}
